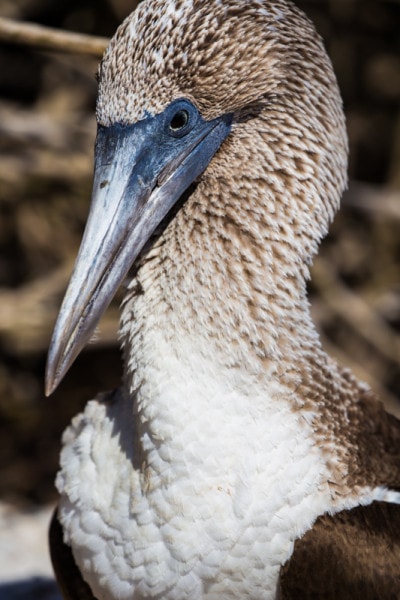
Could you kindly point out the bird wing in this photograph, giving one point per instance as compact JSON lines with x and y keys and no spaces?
{"x":354,"y":554}
{"x":68,"y":576}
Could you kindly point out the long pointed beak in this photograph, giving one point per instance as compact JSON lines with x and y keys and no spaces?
{"x":141,"y":171}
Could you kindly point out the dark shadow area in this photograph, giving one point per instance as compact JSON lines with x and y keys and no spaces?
{"x":36,"y":588}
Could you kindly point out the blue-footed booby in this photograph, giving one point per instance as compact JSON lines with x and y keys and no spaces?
{"x":237,"y":460}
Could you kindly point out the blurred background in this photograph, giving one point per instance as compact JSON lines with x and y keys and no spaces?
{"x":47,"y":131}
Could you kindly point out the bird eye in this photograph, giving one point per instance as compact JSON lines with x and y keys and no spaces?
{"x":179,"y":120}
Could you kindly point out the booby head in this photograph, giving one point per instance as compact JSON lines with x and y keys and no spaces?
{"x":181,"y":84}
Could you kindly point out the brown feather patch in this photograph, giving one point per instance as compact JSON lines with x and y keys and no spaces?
{"x":353,"y":555}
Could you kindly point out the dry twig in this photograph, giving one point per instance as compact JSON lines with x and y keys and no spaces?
{"x":42,"y":37}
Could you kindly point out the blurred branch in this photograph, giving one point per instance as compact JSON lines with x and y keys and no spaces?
{"x":28,"y":34}
{"x":28,"y":313}
{"x":374,"y":199}
{"x":354,"y":311}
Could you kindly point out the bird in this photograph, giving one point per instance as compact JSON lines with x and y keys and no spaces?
{"x":237,"y":460}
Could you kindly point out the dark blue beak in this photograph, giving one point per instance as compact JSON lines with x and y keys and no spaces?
{"x":141,"y":171}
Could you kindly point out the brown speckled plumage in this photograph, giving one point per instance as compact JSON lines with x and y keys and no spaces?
{"x":264,"y":203}
{"x":225,"y":277}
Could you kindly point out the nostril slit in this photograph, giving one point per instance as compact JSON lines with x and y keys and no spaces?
{"x":104,"y":183}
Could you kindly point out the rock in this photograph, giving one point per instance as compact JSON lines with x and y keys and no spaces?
{"x":25,"y":567}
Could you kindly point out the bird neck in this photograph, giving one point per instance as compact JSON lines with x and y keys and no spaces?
{"x":213,"y":311}
{"x":226,"y":280}
{"x":218,"y":308}
{"x":218,"y":339}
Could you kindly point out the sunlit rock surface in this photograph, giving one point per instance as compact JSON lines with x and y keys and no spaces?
{"x":25,"y":568}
